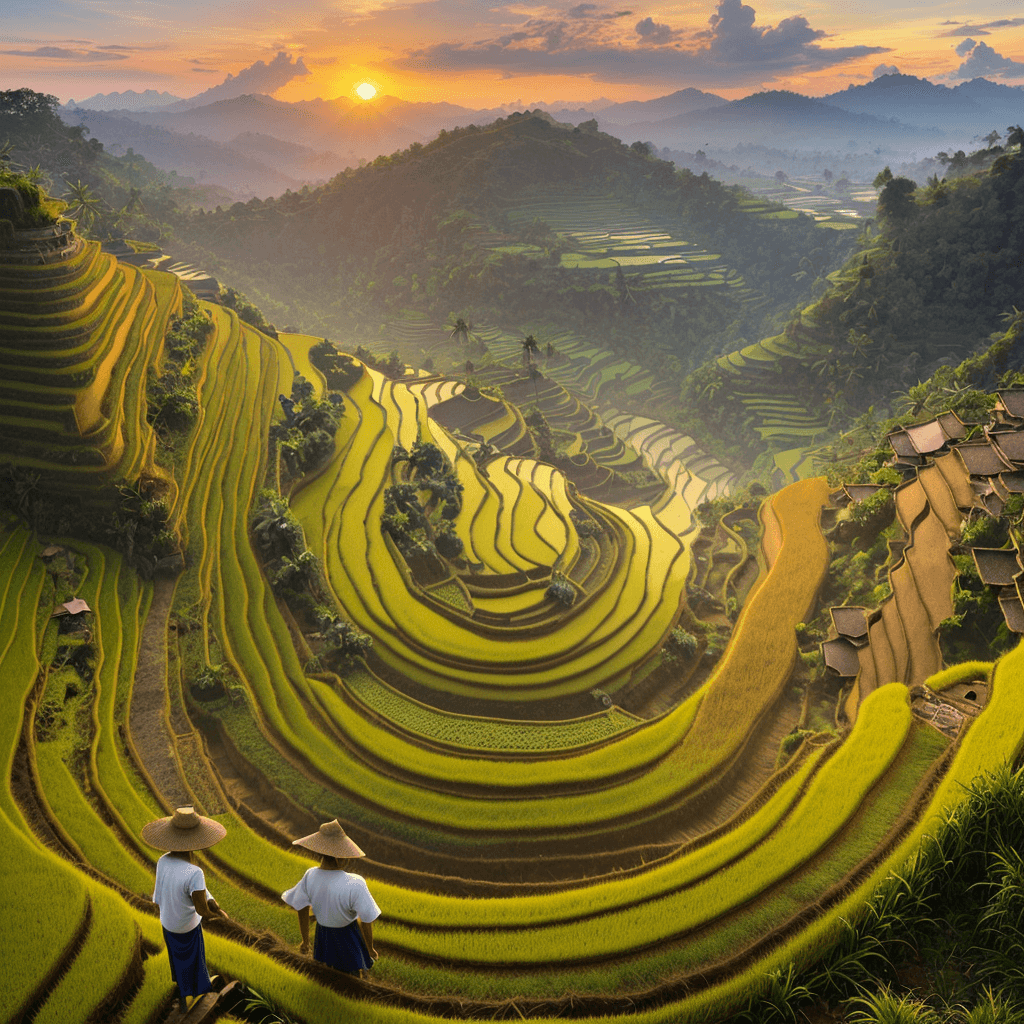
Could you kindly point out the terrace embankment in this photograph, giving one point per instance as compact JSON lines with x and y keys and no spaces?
{"x":78,"y":335}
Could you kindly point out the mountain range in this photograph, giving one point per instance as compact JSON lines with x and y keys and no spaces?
{"x":264,"y":145}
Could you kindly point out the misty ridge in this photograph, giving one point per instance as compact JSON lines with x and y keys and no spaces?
{"x":237,"y":136}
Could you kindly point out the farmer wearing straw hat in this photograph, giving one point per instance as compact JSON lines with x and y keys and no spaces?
{"x":180,"y":892}
{"x":340,"y":901}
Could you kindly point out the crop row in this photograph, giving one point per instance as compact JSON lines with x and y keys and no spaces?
{"x":482,"y":733}
{"x":657,"y":908}
{"x":410,"y":631}
{"x":62,"y":916}
{"x":469,"y":813}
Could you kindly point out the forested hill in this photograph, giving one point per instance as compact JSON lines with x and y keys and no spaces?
{"x":934,"y":283}
{"x":406,"y":231}
{"x":930,"y":285}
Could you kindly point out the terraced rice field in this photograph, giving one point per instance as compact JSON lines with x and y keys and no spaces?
{"x":781,"y":415}
{"x":77,"y":339}
{"x":528,"y":859}
{"x":831,"y":211}
{"x":605,"y":234}
{"x":904,"y":634}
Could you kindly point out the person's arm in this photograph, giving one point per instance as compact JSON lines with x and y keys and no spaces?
{"x":367,"y":929}
{"x":207,"y":909}
{"x":304,"y":929}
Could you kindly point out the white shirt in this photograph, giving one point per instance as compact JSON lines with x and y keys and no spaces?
{"x":176,"y":880}
{"x":337,"y":897}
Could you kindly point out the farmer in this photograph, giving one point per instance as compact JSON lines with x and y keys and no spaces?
{"x":180,"y":892}
{"x":340,"y":901}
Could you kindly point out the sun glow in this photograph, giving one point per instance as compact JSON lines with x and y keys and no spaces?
{"x":365,"y":91}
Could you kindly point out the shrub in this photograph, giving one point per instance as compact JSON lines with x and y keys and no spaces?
{"x":561,"y":589}
{"x":448,"y":543}
{"x":586,"y":525}
{"x":681,"y":644}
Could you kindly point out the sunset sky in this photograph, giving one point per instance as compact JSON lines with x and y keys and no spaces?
{"x":479,"y":53}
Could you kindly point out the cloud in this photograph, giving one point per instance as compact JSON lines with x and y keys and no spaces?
{"x":130,"y":49}
{"x":256,"y":78}
{"x":732,"y":51}
{"x":61,"y":53}
{"x":651,"y":32}
{"x":984,"y":62}
{"x":984,"y":29}
{"x":885,"y":69}
{"x":594,"y":11}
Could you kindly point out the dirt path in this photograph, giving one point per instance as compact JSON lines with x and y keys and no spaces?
{"x":750,"y":771}
{"x":147,"y":719}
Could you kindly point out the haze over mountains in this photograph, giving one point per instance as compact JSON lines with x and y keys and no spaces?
{"x":254,"y":144}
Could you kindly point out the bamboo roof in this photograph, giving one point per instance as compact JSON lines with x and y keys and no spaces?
{"x":851,"y":621}
{"x":926,"y":438}
{"x":996,"y":566}
{"x":901,"y":444}
{"x":73,"y":607}
{"x":981,"y":459}
{"x":1012,"y":403}
{"x":1013,"y":612}
{"x":841,"y":656}
{"x":1011,"y":445}
{"x":858,"y":492}
{"x":954,"y":427}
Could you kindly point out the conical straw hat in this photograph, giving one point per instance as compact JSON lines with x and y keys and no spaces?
{"x":184,"y":830}
{"x":330,"y":840}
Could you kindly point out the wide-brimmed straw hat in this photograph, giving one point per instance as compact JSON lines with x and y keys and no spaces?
{"x":184,"y":830}
{"x":330,"y":840}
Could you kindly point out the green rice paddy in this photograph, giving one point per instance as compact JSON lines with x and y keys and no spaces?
{"x":452,"y":806}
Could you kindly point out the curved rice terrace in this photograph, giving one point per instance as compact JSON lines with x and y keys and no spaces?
{"x":830,"y":209}
{"x":607,"y":234}
{"x":529,"y":862}
{"x":577,"y":374}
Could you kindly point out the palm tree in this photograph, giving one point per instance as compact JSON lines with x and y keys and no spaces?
{"x":460,"y":330}
{"x":530,"y":347}
{"x":913,"y":401}
{"x":84,"y":205}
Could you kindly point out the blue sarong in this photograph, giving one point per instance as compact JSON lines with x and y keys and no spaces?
{"x":187,"y":954}
{"x":341,"y":948}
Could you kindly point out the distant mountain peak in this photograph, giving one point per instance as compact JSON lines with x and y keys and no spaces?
{"x":127,"y":100}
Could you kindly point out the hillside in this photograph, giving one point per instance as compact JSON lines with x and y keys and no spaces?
{"x":523,"y":221}
{"x":929,"y":286}
{"x":782,"y":119}
{"x":626,"y":737}
{"x":549,"y":703}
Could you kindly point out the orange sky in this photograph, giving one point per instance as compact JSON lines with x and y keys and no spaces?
{"x":479,"y":53}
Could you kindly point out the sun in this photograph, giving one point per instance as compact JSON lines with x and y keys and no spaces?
{"x":365,"y":91}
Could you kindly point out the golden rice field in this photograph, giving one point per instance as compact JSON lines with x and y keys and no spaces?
{"x":542,"y":841}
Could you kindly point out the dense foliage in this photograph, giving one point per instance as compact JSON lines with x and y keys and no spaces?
{"x":404,"y":231}
{"x":107,"y":195}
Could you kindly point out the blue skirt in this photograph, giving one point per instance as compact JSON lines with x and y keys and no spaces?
{"x":187,"y":954}
{"x":341,"y":948}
